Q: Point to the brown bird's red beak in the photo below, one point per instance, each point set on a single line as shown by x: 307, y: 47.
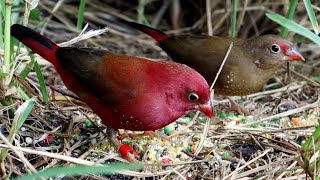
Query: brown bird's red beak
x: 206, y: 109
x: 293, y: 54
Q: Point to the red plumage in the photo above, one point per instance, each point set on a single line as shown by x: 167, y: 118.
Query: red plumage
x: 125, y: 92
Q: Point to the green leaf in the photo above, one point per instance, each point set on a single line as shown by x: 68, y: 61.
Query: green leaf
x: 4, y: 74
x: 317, y: 78
x: 312, y: 16
x: 81, y: 14
x: 35, y: 14
x: 290, y: 15
x: 78, y: 170
x: 309, y: 148
x: 234, y: 18
x: 41, y: 81
x: 291, y: 25
x: 19, y: 118
x: 23, y: 111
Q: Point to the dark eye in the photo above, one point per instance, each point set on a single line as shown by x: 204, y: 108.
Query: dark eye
x: 275, y: 48
x: 193, y: 97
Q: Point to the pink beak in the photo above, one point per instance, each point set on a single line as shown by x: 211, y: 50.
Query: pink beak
x: 293, y: 55
x: 206, y: 109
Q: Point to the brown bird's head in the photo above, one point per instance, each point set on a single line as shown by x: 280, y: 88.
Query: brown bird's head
x: 270, y: 51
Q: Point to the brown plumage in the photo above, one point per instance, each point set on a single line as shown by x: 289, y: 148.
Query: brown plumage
x: 250, y: 64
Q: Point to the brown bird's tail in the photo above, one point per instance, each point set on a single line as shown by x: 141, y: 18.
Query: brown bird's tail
x: 154, y: 33
x: 36, y: 42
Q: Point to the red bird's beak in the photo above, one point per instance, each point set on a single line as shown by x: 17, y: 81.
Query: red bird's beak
x: 206, y: 109
x: 293, y: 54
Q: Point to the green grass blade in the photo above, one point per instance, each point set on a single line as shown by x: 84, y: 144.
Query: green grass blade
x: 78, y: 170
x: 20, y: 117
x: 1, y: 24
x: 308, y: 145
x: 4, y: 74
x: 234, y: 18
x: 23, y: 111
x: 7, y: 37
x: 81, y: 14
x: 23, y: 94
x: 312, y: 16
x: 290, y: 15
x: 42, y: 83
x: 309, y: 148
x: 292, y: 26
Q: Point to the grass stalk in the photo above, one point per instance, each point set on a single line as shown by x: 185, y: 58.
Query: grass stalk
x: 81, y: 14
x: 290, y: 14
x: 234, y: 18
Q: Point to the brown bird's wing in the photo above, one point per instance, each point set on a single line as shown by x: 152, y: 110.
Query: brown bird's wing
x: 95, y: 68
x: 204, y: 53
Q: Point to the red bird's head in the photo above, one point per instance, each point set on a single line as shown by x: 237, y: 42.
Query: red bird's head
x: 187, y: 89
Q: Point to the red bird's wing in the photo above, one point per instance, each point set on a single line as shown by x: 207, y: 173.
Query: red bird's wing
x: 108, y: 77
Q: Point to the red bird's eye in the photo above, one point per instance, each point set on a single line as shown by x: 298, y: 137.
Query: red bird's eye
x: 275, y: 48
x: 193, y: 97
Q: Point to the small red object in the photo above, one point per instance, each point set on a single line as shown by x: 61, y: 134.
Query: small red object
x: 166, y: 160
x: 49, y: 139
x: 296, y: 121
x: 125, y: 149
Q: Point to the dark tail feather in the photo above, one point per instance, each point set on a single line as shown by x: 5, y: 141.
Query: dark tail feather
x: 154, y: 33
x: 35, y: 41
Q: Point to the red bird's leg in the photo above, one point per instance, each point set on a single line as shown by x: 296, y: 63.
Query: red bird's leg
x: 156, y: 135
x: 124, y: 149
x: 151, y: 134
x: 236, y: 107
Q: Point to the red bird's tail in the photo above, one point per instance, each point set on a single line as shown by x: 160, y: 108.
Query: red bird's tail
x: 36, y: 42
x: 154, y: 33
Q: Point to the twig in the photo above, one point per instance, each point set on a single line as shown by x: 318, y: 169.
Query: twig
x: 19, y: 154
x: 221, y: 66
x: 209, y: 20
x: 287, y: 113
x: 248, y: 163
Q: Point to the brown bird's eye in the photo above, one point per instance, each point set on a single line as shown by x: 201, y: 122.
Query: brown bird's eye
x: 193, y: 97
x: 275, y: 48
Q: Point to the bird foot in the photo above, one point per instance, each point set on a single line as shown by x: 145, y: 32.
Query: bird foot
x: 128, y: 153
x: 124, y: 149
x: 239, y: 109
x: 152, y: 134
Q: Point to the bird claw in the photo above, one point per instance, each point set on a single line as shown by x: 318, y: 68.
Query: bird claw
x: 128, y: 153
x: 239, y: 109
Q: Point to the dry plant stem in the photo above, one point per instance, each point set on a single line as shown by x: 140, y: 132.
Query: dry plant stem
x: 55, y: 8
x: 84, y: 162
x: 287, y: 113
x: 221, y: 66
x: 241, y: 15
x: 176, y: 10
x: 291, y: 166
x: 29, y: 166
x: 209, y: 16
x: 248, y: 163
x: 288, y: 88
x: 64, y: 92
x: 41, y: 119
x: 66, y: 22
x: 312, y: 82
x: 156, y: 20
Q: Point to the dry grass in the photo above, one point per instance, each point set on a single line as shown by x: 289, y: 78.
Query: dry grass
x: 265, y: 145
